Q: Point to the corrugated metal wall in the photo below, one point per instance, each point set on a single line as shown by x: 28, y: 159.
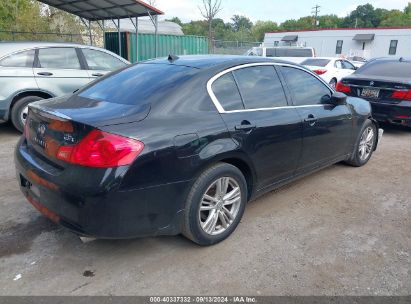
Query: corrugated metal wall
x: 167, y: 44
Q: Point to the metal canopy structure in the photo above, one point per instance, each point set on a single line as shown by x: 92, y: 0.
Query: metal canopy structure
x: 114, y: 10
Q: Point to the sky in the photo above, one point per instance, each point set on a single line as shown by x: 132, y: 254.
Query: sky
x: 273, y: 10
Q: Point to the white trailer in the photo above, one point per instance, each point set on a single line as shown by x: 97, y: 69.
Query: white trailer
x: 367, y: 43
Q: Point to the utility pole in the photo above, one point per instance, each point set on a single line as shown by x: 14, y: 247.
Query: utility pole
x: 316, y: 12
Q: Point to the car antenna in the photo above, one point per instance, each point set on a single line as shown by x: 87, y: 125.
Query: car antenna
x: 172, y: 58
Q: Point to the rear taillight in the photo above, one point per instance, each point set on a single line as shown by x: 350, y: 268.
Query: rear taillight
x: 320, y: 71
x: 404, y: 95
x: 342, y: 88
x: 101, y: 150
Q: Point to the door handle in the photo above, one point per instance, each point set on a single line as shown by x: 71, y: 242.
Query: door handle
x: 45, y: 74
x: 97, y: 74
x: 245, y: 127
x: 311, y: 120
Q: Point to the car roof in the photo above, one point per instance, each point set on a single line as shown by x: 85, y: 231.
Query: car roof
x: 213, y: 61
x: 7, y: 48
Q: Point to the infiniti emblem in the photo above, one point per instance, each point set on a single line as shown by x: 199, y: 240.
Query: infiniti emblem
x: 372, y: 83
x: 41, y: 129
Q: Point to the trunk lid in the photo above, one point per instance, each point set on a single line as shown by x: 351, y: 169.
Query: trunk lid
x: 375, y: 88
x: 65, y: 121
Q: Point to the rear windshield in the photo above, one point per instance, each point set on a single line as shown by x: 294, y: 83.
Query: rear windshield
x: 284, y: 52
x: 139, y: 84
x: 316, y: 62
x: 386, y: 68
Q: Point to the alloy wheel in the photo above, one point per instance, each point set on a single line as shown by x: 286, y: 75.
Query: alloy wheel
x: 366, y: 143
x: 220, y: 205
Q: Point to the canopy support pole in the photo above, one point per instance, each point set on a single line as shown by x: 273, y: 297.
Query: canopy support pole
x: 135, y: 23
x: 154, y: 20
x: 117, y: 25
x: 102, y: 27
x: 88, y: 26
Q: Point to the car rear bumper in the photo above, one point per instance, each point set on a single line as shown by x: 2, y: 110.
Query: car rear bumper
x: 394, y: 113
x: 113, y: 214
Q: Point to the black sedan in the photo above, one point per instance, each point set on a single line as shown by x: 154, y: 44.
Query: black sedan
x: 180, y: 145
x: 386, y: 84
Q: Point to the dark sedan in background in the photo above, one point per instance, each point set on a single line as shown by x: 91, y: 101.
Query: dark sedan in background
x: 386, y: 84
x: 181, y: 145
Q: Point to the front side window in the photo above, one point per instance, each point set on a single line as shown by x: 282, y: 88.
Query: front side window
x: 226, y: 91
x: 306, y: 89
x: 260, y: 87
x: 58, y: 58
x: 393, y: 47
x: 19, y: 60
x: 98, y: 60
x: 338, y: 49
x: 348, y: 65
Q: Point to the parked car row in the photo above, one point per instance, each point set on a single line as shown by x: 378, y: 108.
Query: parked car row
x: 113, y: 159
x: 33, y: 71
x: 180, y: 145
x: 386, y: 84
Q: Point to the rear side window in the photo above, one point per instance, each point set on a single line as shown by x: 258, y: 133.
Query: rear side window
x: 316, y: 62
x: 19, y: 60
x: 59, y: 58
x: 394, y: 68
x: 139, y: 84
x: 260, y: 87
x: 97, y: 60
x: 226, y: 91
x: 306, y: 89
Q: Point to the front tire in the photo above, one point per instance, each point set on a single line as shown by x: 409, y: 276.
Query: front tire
x: 215, y: 204
x: 365, y: 145
x: 19, y: 111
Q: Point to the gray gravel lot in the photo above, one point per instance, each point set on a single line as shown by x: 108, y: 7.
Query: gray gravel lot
x: 341, y: 231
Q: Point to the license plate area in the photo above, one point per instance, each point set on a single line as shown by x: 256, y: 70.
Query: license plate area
x: 29, y: 186
x: 370, y: 93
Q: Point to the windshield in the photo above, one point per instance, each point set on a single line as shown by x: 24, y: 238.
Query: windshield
x: 141, y: 83
x: 316, y: 62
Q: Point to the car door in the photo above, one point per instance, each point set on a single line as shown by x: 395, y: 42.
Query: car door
x: 327, y: 128
x: 58, y: 70
x: 100, y: 63
x: 16, y: 74
x: 253, y: 104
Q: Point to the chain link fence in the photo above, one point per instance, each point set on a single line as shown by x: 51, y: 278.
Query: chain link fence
x: 232, y: 47
x: 51, y: 37
x: 223, y: 47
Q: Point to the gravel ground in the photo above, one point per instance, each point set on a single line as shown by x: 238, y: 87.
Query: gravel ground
x: 341, y: 231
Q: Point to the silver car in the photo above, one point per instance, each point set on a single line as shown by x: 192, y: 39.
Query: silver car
x: 30, y: 71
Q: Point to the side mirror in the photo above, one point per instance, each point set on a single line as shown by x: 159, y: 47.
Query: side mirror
x: 338, y: 99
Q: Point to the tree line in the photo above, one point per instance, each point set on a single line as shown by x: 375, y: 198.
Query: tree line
x: 241, y: 28
x: 31, y: 16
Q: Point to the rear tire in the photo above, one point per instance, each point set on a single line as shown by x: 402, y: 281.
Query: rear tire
x: 212, y: 215
x: 19, y: 111
x: 365, y: 145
